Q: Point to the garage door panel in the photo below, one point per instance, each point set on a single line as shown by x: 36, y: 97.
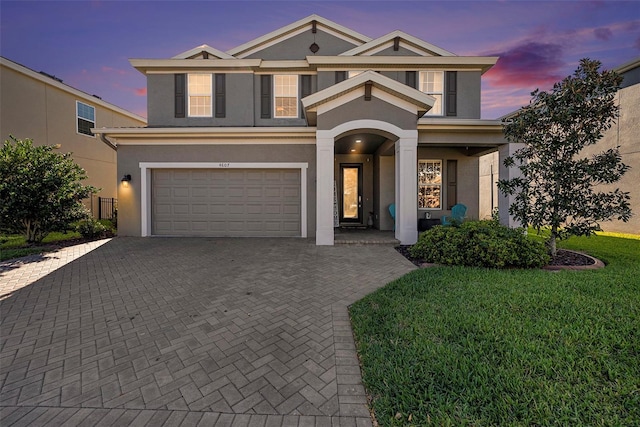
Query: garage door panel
x: 226, y: 202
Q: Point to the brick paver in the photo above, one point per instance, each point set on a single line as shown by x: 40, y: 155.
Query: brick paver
x: 151, y: 331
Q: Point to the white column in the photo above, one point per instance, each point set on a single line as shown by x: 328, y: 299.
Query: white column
x: 324, y: 188
x: 504, y: 172
x: 407, y: 188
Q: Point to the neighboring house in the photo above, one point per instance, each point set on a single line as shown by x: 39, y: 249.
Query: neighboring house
x: 625, y: 134
x: 272, y: 137
x: 41, y: 107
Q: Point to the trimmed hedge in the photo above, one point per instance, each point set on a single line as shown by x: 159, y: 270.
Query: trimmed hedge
x: 484, y: 243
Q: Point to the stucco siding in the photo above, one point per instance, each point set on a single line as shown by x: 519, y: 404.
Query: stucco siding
x: 161, y: 102
x: 31, y: 108
x: 297, y: 47
x: 467, y: 180
x: 130, y: 156
x: 468, y: 96
x: 402, y: 51
x: 626, y: 135
x: 375, y: 109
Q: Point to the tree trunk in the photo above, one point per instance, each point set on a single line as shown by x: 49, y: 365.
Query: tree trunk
x: 552, y: 241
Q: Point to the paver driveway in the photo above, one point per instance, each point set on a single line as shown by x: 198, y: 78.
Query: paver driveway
x: 190, y: 332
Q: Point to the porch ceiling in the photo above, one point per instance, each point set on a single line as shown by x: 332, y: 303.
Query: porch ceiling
x: 368, y: 144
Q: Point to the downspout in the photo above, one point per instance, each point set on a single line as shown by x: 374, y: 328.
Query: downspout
x: 109, y: 143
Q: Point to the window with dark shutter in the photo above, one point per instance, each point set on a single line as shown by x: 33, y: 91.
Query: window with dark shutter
x: 452, y: 183
x: 221, y: 90
x: 265, y: 97
x: 341, y: 76
x: 451, y: 89
x: 411, y: 79
x: 305, y: 90
x: 180, y: 95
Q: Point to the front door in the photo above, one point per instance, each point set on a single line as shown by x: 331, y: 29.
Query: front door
x: 351, y: 185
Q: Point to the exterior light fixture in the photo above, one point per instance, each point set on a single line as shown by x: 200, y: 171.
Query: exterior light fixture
x: 358, y: 141
x: 353, y: 150
x: 125, y: 180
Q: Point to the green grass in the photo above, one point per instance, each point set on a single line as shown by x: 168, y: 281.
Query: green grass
x: 15, y: 246
x: 467, y: 346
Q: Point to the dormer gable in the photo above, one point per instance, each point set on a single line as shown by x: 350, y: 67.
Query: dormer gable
x: 203, y: 52
x: 325, y: 34
x: 397, y: 43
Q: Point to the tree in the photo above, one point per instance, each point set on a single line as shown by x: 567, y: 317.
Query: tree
x: 557, y: 186
x: 40, y: 189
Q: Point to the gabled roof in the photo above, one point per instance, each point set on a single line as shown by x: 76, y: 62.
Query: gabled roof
x: 197, y: 51
x: 295, y: 28
x: 406, y: 40
x: 421, y: 101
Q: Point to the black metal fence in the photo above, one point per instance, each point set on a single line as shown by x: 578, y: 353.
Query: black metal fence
x: 107, y: 207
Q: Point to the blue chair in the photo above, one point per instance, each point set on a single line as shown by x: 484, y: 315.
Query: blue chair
x: 392, y: 211
x: 458, y: 213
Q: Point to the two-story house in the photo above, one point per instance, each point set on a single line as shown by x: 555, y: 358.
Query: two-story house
x: 307, y: 127
x: 42, y: 107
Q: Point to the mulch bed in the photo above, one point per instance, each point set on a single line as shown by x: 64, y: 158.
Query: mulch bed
x: 563, y: 258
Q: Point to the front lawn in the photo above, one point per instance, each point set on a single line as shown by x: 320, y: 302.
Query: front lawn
x: 471, y: 346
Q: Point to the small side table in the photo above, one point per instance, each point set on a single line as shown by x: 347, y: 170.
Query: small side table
x: 425, y: 224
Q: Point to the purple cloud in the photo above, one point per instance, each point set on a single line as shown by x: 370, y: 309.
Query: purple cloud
x: 637, y: 43
x: 529, y: 64
x: 603, y: 33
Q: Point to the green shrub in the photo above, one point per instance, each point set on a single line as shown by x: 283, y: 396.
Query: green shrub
x: 90, y: 228
x: 480, y: 244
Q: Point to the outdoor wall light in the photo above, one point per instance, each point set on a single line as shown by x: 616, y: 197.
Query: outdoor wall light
x: 126, y: 179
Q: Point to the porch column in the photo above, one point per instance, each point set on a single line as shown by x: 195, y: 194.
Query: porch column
x: 504, y: 172
x: 324, y: 188
x: 407, y: 188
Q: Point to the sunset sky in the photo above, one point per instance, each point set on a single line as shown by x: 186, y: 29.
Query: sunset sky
x: 88, y: 43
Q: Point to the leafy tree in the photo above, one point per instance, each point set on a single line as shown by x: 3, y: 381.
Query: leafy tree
x: 556, y: 188
x: 40, y: 189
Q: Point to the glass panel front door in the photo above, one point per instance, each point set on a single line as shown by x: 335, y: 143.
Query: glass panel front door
x: 351, y: 193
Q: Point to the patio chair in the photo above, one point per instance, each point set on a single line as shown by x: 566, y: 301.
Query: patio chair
x: 392, y: 211
x: 458, y: 213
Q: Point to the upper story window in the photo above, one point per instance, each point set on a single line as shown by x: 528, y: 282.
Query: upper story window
x: 432, y: 83
x: 85, y: 118
x: 430, y: 184
x: 199, y: 90
x: 285, y: 89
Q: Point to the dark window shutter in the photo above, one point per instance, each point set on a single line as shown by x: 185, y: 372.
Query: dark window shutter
x: 341, y: 76
x: 452, y: 183
x: 265, y: 96
x: 411, y: 79
x: 221, y: 90
x: 451, y: 83
x: 180, y: 94
x: 305, y: 90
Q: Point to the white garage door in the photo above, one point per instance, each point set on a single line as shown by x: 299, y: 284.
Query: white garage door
x: 226, y: 202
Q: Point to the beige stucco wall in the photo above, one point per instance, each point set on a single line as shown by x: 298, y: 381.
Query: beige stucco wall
x: 626, y: 135
x: 31, y: 108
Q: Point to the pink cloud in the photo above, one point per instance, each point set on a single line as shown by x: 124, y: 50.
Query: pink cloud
x: 527, y: 64
x: 140, y: 91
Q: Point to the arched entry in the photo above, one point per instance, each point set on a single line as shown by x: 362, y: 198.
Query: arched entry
x: 404, y: 149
